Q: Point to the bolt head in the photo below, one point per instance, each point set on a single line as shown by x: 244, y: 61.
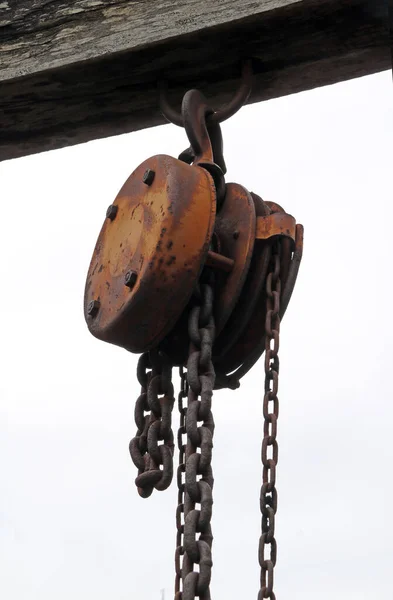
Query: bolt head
x: 112, y: 212
x: 93, y: 308
x: 130, y: 279
x: 148, y: 176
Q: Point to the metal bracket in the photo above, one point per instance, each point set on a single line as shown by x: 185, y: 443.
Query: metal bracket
x: 278, y: 223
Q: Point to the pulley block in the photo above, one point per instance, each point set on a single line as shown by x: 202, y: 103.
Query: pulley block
x: 172, y: 221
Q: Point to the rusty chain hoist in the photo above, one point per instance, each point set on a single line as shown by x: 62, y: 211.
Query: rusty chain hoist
x: 194, y: 272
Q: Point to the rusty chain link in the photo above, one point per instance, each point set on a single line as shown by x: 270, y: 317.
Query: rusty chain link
x: 155, y: 376
x: 195, y: 467
x: 269, y: 454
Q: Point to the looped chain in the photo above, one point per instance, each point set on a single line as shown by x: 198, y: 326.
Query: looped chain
x: 269, y: 453
x: 195, y: 476
x: 153, y: 418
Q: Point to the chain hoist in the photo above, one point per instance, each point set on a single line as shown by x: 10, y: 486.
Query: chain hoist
x: 196, y: 273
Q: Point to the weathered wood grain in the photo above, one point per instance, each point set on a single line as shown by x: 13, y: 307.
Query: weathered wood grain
x: 76, y: 70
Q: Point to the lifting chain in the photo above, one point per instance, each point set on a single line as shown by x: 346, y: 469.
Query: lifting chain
x: 268, y: 496
x: 196, y: 457
x: 194, y: 272
x: 191, y: 464
x: 181, y: 473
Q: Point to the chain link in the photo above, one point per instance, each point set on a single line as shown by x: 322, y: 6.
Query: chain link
x: 195, y: 476
x: 269, y: 454
x: 153, y: 418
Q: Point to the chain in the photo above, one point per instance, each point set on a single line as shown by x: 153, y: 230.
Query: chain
x: 155, y: 426
x: 195, y: 476
x: 268, y: 496
x: 181, y: 470
x: 193, y: 558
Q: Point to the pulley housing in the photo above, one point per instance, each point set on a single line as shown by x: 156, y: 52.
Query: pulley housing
x: 173, y: 221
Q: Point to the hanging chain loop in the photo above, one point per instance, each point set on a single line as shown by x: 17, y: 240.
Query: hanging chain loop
x: 153, y: 418
x: 269, y: 454
x: 195, y: 476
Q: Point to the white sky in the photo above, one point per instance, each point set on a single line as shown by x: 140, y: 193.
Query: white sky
x: 71, y: 522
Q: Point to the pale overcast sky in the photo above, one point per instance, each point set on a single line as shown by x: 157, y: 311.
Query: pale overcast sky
x: 71, y: 522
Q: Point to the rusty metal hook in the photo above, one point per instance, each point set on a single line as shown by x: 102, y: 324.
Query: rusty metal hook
x: 214, y: 132
x: 194, y: 114
x: 219, y: 115
x: 205, y: 140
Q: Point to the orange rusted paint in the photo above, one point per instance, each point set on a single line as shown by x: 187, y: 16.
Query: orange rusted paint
x: 244, y: 335
x: 162, y: 233
x: 251, y: 288
x: 235, y: 235
x: 274, y: 224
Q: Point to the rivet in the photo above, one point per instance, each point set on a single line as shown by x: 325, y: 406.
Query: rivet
x: 130, y: 279
x: 93, y: 308
x: 148, y: 176
x: 111, y: 212
x: 236, y: 235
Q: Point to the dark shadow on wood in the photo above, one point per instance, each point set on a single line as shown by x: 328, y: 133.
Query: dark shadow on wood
x: 296, y: 47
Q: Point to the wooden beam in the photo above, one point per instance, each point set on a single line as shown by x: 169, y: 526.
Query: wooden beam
x: 76, y: 70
